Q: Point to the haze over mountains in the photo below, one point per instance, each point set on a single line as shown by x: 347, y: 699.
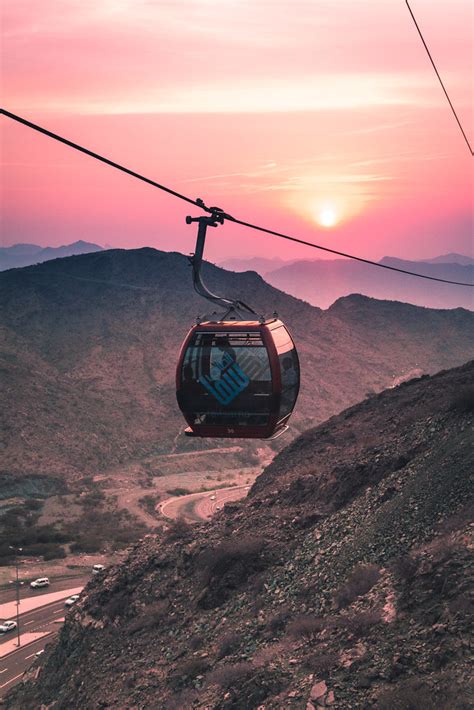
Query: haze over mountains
x: 91, y: 341
x: 323, y: 281
x: 19, y: 255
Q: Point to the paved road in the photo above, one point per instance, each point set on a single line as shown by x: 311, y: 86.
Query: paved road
x: 15, y: 664
x: 201, y: 506
x: 9, y: 594
x: 46, y: 620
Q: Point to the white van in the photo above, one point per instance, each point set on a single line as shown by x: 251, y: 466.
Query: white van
x: 40, y: 583
x: 97, y: 569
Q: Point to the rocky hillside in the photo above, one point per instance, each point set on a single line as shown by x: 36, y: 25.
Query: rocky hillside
x: 341, y: 582
x: 89, y: 346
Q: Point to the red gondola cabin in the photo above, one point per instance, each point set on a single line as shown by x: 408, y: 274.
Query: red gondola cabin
x: 237, y: 379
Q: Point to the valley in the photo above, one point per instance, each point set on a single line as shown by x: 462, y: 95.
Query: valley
x: 91, y: 342
x: 341, y: 577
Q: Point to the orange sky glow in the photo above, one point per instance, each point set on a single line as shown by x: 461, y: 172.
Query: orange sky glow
x: 323, y: 119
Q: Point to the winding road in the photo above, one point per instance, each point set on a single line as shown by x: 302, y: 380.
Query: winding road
x: 198, y: 507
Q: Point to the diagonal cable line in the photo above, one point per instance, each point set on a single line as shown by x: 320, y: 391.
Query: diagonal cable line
x: 439, y: 77
x: 349, y: 256
x: 101, y: 158
x: 215, y: 210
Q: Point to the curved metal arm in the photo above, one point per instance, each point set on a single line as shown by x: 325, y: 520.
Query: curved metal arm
x: 200, y: 287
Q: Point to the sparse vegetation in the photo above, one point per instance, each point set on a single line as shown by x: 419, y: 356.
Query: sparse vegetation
x: 320, y: 662
x: 178, y: 530
x: 178, y: 491
x: 462, y: 606
x: 229, y: 566
x: 414, y: 694
x: 277, y: 623
x: 404, y: 567
x: 149, y: 503
x: 361, y: 581
x: 228, y: 645
x: 231, y: 675
x: 245, y: 552
x: 98, y: 528
x: 150, y: 617
x: 187, y: 672
x: 305, y: 627
x: 361, y: 623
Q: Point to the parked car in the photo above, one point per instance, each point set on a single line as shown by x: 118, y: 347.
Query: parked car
x: 97, y: 569
x: 7, y: 626
x: 40, y: 583
x: 213, y: 497
x: 72, y: 600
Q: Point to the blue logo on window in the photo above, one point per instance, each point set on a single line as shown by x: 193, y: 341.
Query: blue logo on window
x: 231, y: 383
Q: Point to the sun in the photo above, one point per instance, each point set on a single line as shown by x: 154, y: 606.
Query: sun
x: 327, y: 217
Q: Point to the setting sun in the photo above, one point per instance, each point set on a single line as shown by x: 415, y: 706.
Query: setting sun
x: 327, y: 217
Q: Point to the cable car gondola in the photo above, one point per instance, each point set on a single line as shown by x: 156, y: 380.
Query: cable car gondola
x: 237, y: 373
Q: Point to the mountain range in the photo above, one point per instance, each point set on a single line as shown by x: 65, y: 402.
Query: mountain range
x: 323, y: 281
x: 341, y: 582
x: 19, y: 255
x: 90, y: 345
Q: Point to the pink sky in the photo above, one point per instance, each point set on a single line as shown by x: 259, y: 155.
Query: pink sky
x: 281, y: 113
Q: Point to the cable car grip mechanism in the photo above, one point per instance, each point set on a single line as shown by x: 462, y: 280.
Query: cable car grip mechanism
x: 215, y: 217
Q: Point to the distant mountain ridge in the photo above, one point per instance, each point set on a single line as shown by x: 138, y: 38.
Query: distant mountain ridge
x: 451, y: 258
x: 321, y: 282
x: 20, y: 255
x: 261, y: 265
x: 90, y: 346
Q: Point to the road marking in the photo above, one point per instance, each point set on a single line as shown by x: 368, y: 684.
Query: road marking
x: 41, y: 637
x: 11, y: 681
x: 4, y: 671
x: 28, y: 622
x: 27, y: 657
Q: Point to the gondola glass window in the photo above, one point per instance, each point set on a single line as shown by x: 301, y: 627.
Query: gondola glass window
x: 227, y: 377
x: 289, y: 368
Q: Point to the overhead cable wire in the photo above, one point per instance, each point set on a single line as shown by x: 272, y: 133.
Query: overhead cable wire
x: 439, y: 77
x: 349, y: 256
x: 107, y: 161
x: 199, y: 203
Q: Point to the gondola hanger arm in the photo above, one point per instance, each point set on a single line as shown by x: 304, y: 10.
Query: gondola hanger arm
x: 215, y: 218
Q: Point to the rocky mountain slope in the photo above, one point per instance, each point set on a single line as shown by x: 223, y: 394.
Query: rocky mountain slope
x: 341, y: 582
x: 89, y: 346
